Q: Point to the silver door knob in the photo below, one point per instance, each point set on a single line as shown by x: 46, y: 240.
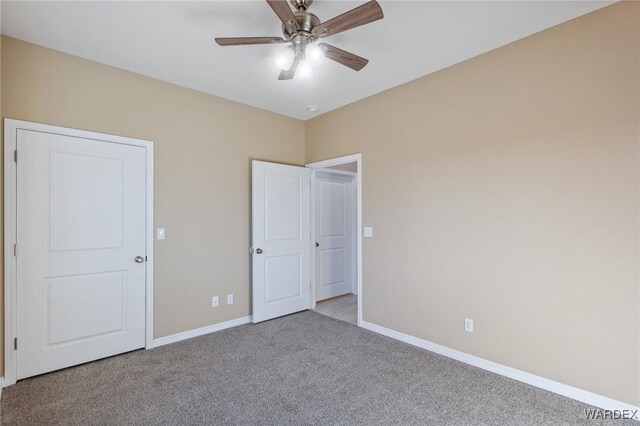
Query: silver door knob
x: 139, y: 259
x: 258, y: 251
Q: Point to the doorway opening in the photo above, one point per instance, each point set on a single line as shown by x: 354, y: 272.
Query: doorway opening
x: 336, y: 221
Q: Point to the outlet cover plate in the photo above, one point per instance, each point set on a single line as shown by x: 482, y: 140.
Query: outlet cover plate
x: 468, y: 325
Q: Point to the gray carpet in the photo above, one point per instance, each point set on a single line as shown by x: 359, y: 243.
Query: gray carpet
x: 302, y: 369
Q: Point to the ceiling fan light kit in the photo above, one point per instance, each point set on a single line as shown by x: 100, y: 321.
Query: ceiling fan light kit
x: 302, y: 29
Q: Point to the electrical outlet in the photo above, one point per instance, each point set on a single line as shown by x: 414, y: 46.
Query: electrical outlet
x: 229, y: 299
x: 215, y: 302
x: 468, y: 325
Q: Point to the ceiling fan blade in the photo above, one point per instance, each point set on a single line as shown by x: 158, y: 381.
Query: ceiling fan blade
x: 241, y: 41
x: 361, y: 15
x: 284, y: 12
x: 291, y: 72
x: 343, y: 57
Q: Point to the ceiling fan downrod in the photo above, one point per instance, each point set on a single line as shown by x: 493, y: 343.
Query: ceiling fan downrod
x: 301, y: 5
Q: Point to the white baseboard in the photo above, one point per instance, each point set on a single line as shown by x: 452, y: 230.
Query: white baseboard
x: 161, y: 341
x: 581, y: 395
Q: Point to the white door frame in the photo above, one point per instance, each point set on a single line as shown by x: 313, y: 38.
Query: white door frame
x: 11, y: 128
x: 354, y: 158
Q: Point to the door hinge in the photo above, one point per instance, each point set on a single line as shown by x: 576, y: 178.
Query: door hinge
x: 15, y: 343
x: 15, y: 156
x: 15, y: 250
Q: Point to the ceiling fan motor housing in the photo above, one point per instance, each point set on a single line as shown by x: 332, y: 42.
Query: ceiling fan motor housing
x: 302, y: 36
x: 306, y: 22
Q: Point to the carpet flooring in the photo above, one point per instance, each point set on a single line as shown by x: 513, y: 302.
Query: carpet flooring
x: 301, y: 369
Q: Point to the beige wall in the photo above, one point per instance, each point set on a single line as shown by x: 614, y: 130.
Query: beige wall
x: 203, y: 148
x: 505, y: 189
x: 348, y: 167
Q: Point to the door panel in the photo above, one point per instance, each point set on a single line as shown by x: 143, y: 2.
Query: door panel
x: 333, y: 206
x: 334, y: 266
x: 283, y: 204
x: 334, y: 234
x: 81, y: 222
x: 74, y: 210
x: 85, y: 306
x: 280, y: 239
x: 282, y: 278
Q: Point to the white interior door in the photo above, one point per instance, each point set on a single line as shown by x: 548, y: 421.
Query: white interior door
x: 335, y: 237
x: 281, y: 240
x: 80, y: 227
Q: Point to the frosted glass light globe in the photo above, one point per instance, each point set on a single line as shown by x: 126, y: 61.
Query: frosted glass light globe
x: 314, y: 53
x: 284, y: 58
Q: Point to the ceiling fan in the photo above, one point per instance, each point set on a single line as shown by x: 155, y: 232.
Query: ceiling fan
x: 302, y: 29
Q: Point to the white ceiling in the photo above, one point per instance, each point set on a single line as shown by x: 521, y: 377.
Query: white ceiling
x: 173, y: 41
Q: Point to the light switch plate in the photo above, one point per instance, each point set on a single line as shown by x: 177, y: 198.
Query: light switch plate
x: 160, y: 234
x: 368, y: 232
x: 215, y: 302
x: 229, y: 299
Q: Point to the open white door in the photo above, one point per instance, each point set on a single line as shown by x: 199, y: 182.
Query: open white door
x: 281, y: 214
